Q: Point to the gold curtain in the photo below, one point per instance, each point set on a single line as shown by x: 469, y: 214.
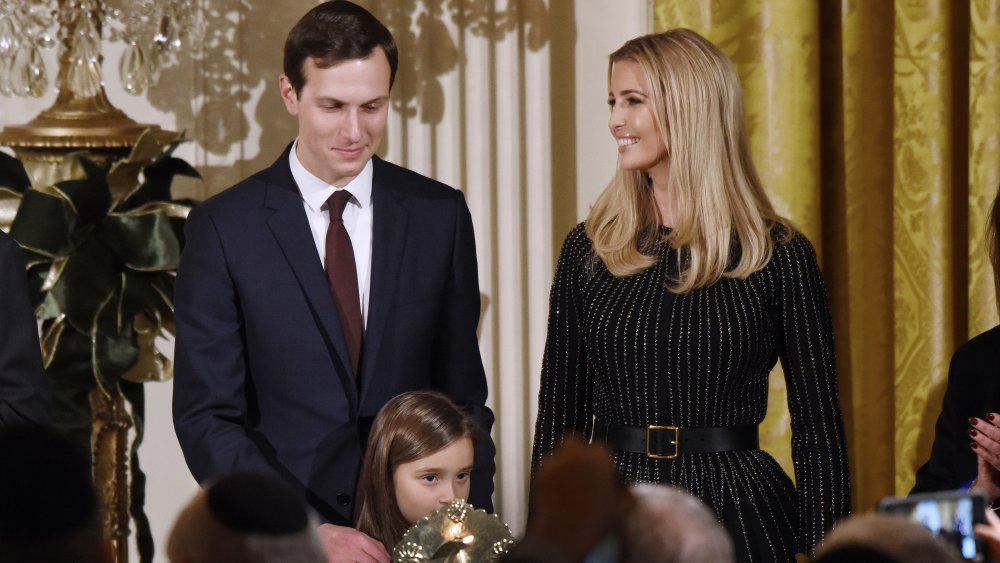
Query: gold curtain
x: 876, y: 128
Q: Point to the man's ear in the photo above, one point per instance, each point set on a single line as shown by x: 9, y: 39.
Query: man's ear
x: 288, y: 95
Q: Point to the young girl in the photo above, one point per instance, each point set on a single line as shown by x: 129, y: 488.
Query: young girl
x: 419, y: 457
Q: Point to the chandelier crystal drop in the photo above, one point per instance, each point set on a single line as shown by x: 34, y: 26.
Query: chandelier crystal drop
x: 153, y: 32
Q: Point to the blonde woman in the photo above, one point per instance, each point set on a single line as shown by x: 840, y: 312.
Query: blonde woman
x: 674, y: 300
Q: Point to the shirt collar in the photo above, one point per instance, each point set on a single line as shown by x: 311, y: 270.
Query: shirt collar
x: 315, y: 191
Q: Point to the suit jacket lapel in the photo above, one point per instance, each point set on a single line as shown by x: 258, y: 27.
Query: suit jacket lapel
x: 388, y: 240
x: 290, y: 228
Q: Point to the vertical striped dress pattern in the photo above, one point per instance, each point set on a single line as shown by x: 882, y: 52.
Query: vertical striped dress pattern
x: 627, y: 350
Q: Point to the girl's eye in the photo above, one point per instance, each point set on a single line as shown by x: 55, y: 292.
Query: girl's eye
x: 429, y: 478
x: 463, y: 476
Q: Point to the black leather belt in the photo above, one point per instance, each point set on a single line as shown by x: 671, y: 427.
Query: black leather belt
x: 667, y: 442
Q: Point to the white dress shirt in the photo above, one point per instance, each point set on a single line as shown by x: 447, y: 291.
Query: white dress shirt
x: 357, y: 219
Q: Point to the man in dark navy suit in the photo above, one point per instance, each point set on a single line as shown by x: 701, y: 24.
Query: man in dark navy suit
x: 316, y: 290
x: 25, y: 392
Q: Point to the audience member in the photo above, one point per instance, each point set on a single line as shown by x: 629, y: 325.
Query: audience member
x: 25, y: 395
x: 577, y: 500
x: 48, y: 507
x: 966, y: 442
x: 880, y: 538
x: 668, y: 525
x: 245, y: 518
x: 677, y: 296
x: 419, y: 457
x: 312, y: 292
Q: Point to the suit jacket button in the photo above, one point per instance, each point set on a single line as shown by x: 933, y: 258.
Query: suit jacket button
x: 343, y: 499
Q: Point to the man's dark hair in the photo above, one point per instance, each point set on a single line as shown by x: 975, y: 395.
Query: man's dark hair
x: 334, y: 32
x: 48, y: 507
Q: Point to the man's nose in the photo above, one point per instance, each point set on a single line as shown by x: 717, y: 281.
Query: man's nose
x: 352, y: 128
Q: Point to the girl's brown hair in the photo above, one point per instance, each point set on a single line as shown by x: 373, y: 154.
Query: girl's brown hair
x: 409, y: 427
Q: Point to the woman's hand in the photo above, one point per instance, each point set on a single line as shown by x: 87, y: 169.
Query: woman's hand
x: 986, y: 444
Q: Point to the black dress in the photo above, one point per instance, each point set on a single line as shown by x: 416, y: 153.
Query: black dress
x: 627, y: 350
x: 973, y: 390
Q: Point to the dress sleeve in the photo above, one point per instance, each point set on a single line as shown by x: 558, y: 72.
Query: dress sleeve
x: 564, y: 403
x: 819, y: 450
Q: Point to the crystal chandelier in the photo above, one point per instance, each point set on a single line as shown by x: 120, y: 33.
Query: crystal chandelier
x: 153, y: 32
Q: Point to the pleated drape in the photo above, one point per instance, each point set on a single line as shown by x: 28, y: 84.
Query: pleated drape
x: 876, y: 129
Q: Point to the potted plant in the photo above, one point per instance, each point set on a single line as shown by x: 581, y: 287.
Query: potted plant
x: 102, y: 246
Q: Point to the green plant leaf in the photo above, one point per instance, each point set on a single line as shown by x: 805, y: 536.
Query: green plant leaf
x: 13, y: 176
x: 36, y: 274
x: 144, y: 242
x: 86, y: 283
x: 162, y: 308
x: 71, y: 414
x: 159, y: 175
x: 46, y: 224
x: 70, y: 362
x: 123, y: 176
x: 115, y: 346
x: 134, y: 393
x: 90, y: 197
x: 139, y: 295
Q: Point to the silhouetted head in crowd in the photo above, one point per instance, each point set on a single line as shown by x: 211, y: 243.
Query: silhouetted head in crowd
x: 668, y: 525
x: 883, y: 538
x: 245, y: 518
x: 48, y: 507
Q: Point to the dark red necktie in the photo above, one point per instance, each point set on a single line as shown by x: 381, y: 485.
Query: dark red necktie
x: 342, y: 272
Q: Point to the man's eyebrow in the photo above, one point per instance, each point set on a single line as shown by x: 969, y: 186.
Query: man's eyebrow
x: 332, y: 100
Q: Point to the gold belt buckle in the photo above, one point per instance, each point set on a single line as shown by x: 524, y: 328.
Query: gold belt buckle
x: 674, y: 429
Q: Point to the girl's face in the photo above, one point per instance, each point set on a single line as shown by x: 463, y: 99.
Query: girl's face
x: 640, y: 145
x: 423, y: 485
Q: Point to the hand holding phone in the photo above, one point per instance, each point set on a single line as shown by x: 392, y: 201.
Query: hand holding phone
x: 990, y: 533
x: 950, y: 515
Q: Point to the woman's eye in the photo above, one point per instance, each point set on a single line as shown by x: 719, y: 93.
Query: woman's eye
x: 611, y: 102
x: 634, y: 101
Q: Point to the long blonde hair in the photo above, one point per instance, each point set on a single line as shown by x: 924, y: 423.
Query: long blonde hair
x: 720, y: 211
